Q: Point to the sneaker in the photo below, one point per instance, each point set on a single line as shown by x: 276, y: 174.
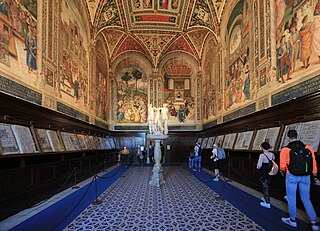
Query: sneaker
x: 314, y: 226
x: 216, y: 179
x: 263, y: 199
x: 266, y: 205
x: 289, y: 221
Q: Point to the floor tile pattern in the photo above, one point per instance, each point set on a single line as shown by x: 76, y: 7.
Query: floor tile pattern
x: 182, y: 203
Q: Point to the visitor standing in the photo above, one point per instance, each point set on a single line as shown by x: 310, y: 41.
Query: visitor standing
x: 191, y: 157
x: 297, y: 163
x: 263, y: 166
x: 124, y: 156
x: 197, y: 157
x: 215, y: 159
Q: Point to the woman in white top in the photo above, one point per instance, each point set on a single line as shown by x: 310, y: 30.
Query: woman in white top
x: 214, y: 157
x: 263, y: 166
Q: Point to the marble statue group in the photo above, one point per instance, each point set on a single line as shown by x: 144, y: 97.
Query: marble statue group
x: 158, y: 119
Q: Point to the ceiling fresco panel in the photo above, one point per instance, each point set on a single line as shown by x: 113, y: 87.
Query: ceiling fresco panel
x: 92, y: 7
x: 112, y: 38
x: 156, y: 14
x: 109, y: 15
x: 155, y: 43
x: 201, y: 15
x: 198, y: 37
x: 219, y: 6
x: 129, y: 44
x: 180, y: 44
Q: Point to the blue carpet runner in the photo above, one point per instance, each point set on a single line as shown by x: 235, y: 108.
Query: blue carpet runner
x: 187, y: 201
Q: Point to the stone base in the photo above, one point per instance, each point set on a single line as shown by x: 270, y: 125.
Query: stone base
x: 157, y: 177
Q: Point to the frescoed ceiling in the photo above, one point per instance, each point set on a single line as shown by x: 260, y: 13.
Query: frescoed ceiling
x: 155, y: 27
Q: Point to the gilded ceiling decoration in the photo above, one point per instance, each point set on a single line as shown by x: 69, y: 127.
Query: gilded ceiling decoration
x: 180, y: 44
x: 112, y: 38
x: 129, y: 44
x: 155, y: 43
x: 177, y: 68
x: 155, y: 27
x: 197, y: 38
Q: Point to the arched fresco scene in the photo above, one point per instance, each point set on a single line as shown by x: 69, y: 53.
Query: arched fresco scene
x: 73, y: 85
x: 238, y: 84
x: 206, y: 61
x: 132, y: 95
x: 178, y: 90
x: 101, y: 81
x: 18, y: 40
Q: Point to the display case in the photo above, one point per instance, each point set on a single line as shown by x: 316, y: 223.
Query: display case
x: 308, y: 133
x: 219, y: 139
x: 199, y: 140
x: 210, y: 142
x: 84, y: 141
x: 8, y: 143
x: 229, y: 140
x: 112, y: 143
x: 44, y: 140
x: 94, y: 142
x: 70, y: 141
x: 243, y: 140
x: 55, y: 141
x: 269, y: 135
x: 24, y: 138
x: 204, y: 142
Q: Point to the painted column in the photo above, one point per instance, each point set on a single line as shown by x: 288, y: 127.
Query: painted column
x: 198, y: 95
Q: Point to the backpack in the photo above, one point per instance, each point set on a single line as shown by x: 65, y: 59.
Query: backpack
x: 191, y: 154
x: 200, y: 151
x: 272, y: 167
x: 300, y: 159
x: 221, y: 154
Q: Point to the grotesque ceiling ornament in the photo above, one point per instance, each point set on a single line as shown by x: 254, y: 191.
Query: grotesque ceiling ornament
x: 154, y: 27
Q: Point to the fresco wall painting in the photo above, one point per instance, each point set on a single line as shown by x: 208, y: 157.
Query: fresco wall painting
x: 178, y: 91
x: 18, y: 39
x: 238, y: 83
x: 101, y: 81
x: 132, y: 97
x: 233, y: 76
x: 73, y: 57
x: 298, y: 39
x: 210, y: 81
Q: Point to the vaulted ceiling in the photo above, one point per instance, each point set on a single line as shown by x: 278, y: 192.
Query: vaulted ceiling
x: 155, y: 28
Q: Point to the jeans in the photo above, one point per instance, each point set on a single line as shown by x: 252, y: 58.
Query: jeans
x: 292, y: 182
x: 197, y: 160
x: 191, y: 163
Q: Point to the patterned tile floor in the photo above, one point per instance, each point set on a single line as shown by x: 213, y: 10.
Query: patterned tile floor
x: 182, y: 203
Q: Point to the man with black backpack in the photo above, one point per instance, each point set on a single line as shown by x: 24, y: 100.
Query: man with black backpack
x: 297, y: 162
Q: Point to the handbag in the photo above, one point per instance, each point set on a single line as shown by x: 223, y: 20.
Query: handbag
x: 274, y: 168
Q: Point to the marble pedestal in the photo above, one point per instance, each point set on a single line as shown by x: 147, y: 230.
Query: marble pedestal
x: 157, y: 177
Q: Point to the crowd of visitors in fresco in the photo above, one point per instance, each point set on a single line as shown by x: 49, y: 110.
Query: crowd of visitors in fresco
x: 132, y: 109
x: 298, y: 37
